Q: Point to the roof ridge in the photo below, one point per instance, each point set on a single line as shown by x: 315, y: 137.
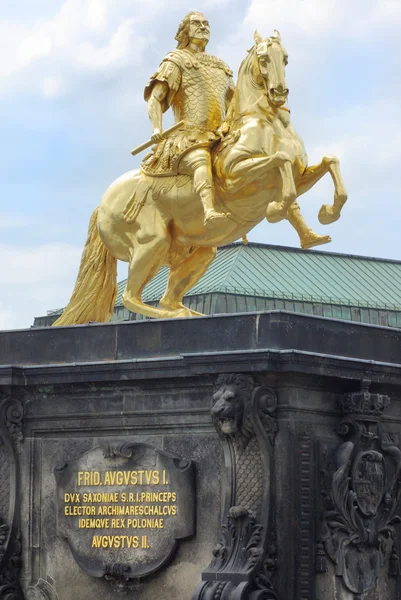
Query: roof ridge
x: 234, y: 262
x: 316, y: 252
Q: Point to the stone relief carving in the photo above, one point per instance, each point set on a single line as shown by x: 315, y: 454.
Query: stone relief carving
x: 42, y: 590
x: 174, y: 476
x: 361, y: 491
x: 245, y: 558
x: 11, y: 413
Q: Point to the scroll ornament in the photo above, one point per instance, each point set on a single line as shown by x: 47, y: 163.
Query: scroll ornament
x: 244, y: 560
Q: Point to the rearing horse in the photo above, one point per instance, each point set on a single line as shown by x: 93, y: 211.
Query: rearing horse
x: 260, y: 169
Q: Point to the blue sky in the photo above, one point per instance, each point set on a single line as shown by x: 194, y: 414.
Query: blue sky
x: 72, y: 74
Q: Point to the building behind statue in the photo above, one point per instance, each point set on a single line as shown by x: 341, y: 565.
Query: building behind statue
x: 259, y: 277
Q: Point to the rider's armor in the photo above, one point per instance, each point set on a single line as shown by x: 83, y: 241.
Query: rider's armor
x: 200, y: 88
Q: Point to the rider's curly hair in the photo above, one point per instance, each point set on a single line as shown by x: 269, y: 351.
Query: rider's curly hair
x: 183, y: 29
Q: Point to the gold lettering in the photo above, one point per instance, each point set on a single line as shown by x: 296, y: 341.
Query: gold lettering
x: 110, y: 478
x: 94, y: 524
x: 76, y: 511
x: 72, y: 498
x: 115, y: 541
x: 88, y: 478
x: 118, y: 523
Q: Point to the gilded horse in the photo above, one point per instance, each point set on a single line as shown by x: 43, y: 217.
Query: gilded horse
x: 260, y: 170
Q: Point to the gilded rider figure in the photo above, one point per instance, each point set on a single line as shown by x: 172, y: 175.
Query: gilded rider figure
x: 199, y: 88
x: 146, y: 216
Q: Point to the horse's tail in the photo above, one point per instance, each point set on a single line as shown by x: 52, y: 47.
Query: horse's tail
x: 96, y: 287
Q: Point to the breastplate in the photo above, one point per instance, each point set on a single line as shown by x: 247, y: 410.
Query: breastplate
x: 201, y: 99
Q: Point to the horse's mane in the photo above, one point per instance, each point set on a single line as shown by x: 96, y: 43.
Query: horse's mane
x: 249, y: 67
x: 248, y: 76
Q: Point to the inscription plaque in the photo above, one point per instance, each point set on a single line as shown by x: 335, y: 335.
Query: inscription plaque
x: 123, y: 507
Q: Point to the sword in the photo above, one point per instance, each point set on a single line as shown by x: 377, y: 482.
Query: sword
x: 166, y: 133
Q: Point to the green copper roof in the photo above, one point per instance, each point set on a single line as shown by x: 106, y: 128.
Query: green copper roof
x: 280, y: 272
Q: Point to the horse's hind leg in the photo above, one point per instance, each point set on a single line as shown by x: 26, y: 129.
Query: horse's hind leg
x: 144, y: 265
x: 184, y: 274
x: 148, y: 255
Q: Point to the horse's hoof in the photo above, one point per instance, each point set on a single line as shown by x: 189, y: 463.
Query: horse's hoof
x: 327, y: 215
x: 182, y: 313
x: 179, y: 310
x: 275, y: 212
x: 312, y: 239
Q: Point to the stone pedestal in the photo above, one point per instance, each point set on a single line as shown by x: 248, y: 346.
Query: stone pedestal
x: 295, y: 485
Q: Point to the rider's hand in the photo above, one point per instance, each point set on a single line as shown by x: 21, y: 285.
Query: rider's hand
x: 223, y: 129
x: 157, y: 136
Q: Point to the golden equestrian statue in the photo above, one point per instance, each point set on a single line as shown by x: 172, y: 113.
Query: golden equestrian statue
x: 232, y: 159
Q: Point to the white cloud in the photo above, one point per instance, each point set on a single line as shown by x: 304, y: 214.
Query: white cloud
x: 51, y: 86
x: 97, y: 15
x: 114, y: 53
x: 33, y: 48
x: 83, y: 35
x: 35, y: 279
x: 38, y: 263
x: 320, y: 18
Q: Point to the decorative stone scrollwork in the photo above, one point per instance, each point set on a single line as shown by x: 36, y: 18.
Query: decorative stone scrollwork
x: 11, y: 413
x: 362, y: 492
x: 42, y: 590
x: 245, y: 559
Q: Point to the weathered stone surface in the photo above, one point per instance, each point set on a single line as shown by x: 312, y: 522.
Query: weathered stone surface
x: 123, y: 506
x: 65, y: 392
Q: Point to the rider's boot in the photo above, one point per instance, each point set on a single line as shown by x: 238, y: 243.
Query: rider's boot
x: 307, y: 237
x: 206, y: 193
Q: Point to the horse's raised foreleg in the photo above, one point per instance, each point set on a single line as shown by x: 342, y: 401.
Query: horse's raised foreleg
x: 242, y: 172
x: 184, y: 274
x: 329, y: 164
x: 277, y: 211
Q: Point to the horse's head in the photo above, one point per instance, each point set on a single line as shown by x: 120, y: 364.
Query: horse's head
x: 269, y: 60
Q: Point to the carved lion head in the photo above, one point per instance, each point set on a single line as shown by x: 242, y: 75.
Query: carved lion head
x: 231, y: 402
